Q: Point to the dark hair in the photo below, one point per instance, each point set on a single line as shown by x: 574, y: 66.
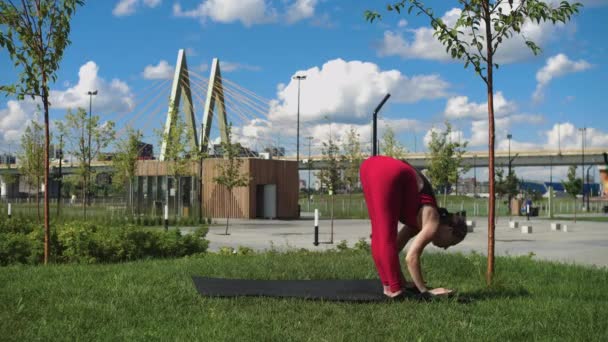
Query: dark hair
x: 455, y: 220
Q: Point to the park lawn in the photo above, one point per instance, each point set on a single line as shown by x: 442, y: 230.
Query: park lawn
x: 156, y: 300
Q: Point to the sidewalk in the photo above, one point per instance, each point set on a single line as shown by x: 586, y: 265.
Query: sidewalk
x: 584, y: 243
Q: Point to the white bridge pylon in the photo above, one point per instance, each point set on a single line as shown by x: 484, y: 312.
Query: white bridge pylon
x: 213, y: 102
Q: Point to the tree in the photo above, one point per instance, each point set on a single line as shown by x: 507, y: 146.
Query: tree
x: 445, y: 164
x: 487, y: 24
x: 391, y: 146
x: 35, y: 34
x: 573, y: 185
x: 330, y: 175
x: 125, y: 161
x: 32, y: 159
x: 178, y: 153
x: 230, y: 174
x: 506, y: 186
x: 76, y: 130
x: 352, y: 158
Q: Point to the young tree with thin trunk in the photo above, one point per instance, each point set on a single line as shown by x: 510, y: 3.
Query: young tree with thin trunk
x: 445, y: 165
x: 506, y: 185
x: 391, y: 147
x: 474, y: 38
x: 76, y: 130
x: 573, y: 185
x: 230, y: 174
x: 352, y: 159
x: 125, y: 161
x: 32, y: 158
x: 178, y: 153
x: 35, y: 33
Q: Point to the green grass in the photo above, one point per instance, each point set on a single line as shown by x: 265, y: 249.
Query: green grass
x: 156, y: 300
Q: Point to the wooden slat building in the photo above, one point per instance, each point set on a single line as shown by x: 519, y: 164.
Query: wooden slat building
x: 273, y: 183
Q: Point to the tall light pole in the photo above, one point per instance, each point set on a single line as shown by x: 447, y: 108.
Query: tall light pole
x: 375, y: 125
x: 299, y: 78
x: 509, y: 136
x: 90, y: 93
x: 583, y: 131
x: 309, y: 167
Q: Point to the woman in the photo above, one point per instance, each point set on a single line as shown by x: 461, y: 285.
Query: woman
x: 396, y: 192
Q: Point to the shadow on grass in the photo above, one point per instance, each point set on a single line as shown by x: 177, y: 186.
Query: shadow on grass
x: 491, y: 293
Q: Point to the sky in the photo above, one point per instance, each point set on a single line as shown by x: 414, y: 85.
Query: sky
x: 127, y: 50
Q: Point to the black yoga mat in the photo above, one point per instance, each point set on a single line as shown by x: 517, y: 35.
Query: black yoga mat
x: 330, y: 290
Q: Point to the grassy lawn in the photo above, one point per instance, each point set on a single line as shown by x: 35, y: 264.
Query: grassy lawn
x: 156, y: 300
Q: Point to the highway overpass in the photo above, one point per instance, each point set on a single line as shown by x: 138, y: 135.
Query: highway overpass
x: 419, y: 160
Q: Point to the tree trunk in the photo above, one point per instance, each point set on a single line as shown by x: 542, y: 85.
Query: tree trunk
x: 47, y: 229
x: 491, y: 190
x: 84, y: 191
x: 38, y: 197
x: 228, y: 211
x: 574, y: 209
x: 131, y: 196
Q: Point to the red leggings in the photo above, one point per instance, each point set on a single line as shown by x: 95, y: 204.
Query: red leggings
x: 387, y: 184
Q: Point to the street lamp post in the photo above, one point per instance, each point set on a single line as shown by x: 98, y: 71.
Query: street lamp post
x: 583, y: 131
x: 509, y: 136
x: 86, y: 193
x: 299, y: 78
x: 309, y: 167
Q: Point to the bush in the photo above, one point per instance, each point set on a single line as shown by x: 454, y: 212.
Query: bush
x: 362, y: 245
x: 82, y: 242
x: 342, y: 246
x: 14, y: 248
x: 243, y: 250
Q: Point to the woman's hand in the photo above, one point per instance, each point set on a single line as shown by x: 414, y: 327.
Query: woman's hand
x: 440, y: 291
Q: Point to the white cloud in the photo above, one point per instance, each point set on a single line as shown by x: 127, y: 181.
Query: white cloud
x: 13, y: 120
x: 455, y: 135
x: 421, y: 43
x: 253, y: 12
x: 248, y: 12
x: 556, y: 66
x: 300, y: 9
x: 459, y: 107
x: 567, y: 136
x: 160, y: 71
x: 232, y: 66
x: 113, y: 96
x: 402, y: 23
x: 129, y: 7
x: 125, y: 7
x: 349, y: 91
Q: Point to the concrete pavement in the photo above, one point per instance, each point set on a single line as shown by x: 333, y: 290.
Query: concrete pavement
x: 585, y: 242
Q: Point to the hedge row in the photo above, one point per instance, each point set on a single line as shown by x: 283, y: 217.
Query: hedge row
x: 22, y: 241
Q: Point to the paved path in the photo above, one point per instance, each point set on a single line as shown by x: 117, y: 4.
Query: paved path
x: 584, y: 243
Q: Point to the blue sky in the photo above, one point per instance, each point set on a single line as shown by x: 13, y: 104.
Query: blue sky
x: 127, y: 49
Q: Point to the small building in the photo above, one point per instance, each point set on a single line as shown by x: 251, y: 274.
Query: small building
x: 272, y: 192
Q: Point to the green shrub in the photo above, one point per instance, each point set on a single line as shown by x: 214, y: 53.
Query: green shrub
x: 362, y: 245
x: 226, y: 251
x: 243, y: 250
x: 83, y: 242
x: 14, y: 248
x: 342, y: 246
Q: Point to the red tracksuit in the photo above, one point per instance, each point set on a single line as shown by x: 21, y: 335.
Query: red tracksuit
x: 391, y: 194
